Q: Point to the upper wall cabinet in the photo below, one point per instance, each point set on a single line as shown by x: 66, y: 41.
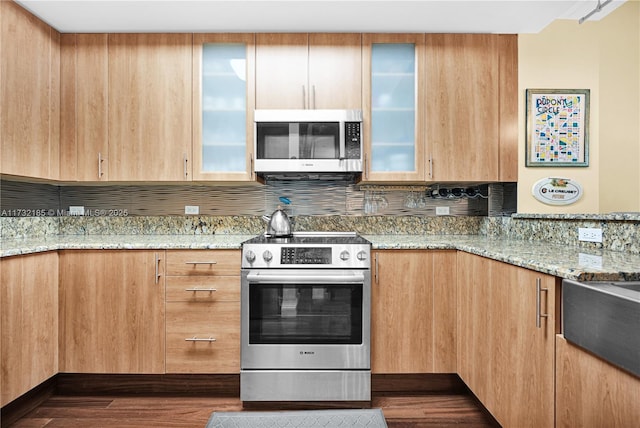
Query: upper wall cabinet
x: 470, y: 110
x: 84, y: 97
x: 308, y: 71
x: 393, y: 102
x: 150, y: 107
x: 126, y: 107
x: 223, y: 104
x: 29, y: 94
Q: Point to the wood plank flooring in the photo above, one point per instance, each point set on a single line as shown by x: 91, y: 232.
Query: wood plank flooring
x: 127, y: 411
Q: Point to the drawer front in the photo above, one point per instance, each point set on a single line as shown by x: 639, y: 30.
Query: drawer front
x: 203, y: 262
x: 203, y: 322
x: 203, y: 289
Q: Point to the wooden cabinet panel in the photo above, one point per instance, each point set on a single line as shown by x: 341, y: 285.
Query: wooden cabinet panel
x: 592, y: 393
x: 462, y: 111
x: 404, y: 315
x: 335, y: 71
x: 28, y: 323
x: 112, y: 312
x: 203, y: 337
x: 203, y: 262
x: 523, y: 352
x: 474, y: 333
x: 30, y: 101
x: 281, y: 71
x: 150, y: 107
x: 508, y: 72
x: 503, y: 356
x: 445, y: 310
x: 308, y: 71
x: 203, y: 289
x: 84, y: 140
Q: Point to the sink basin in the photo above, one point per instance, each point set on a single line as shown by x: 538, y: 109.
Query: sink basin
x: 603, y: 317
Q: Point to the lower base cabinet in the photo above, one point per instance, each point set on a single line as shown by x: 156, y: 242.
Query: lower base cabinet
x: 592, y: 393
x: 506, y: 333
x: 203, y: 311
x: 112, y: 311
x: 28, y: 322
x: 413, y: 312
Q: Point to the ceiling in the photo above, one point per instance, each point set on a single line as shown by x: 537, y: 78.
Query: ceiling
x: 423, y: 16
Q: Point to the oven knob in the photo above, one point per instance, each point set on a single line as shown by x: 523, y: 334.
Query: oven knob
x: 250, y: 256
x: 344, y: 256
x: 362, y: 256
x: 267, y: 256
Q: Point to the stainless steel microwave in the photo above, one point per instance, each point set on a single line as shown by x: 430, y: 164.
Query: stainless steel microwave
x: 308, y: 141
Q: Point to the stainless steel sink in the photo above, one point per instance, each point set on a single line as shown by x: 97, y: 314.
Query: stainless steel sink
x: 603, y: 317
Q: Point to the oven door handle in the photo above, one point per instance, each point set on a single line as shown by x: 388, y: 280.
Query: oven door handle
x: 298, y: 278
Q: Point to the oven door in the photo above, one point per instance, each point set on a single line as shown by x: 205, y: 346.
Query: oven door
x: 305, y: 319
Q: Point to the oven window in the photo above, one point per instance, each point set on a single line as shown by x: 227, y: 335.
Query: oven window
x: 305, y: 314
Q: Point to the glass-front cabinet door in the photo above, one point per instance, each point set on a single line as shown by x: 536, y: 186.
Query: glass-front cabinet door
x: 224, y: 99
x: 394, y: 92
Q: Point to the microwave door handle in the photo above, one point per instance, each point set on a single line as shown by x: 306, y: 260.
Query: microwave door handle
x: 298, y: 278
x: 343, y: 149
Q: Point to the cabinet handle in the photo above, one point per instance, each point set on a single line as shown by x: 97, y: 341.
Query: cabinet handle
x: 539, y: 313
x: 201, y: 263
x: 366, y: 170
x: 251, y: 172
x: 304, y: 97
x: 313, y: 93
x: 197, y: 339
x: 100, y: 160
x: 375, y: 274
x: 430, y: 167
x: 184, y: 162
x: 201, y: 289
x: 157, y: 276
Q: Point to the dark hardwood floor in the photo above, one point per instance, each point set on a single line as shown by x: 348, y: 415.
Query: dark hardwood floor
x: 427, y: 410
x: 157, y: 402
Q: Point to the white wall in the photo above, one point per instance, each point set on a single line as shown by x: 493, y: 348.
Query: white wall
x: 603, y: 56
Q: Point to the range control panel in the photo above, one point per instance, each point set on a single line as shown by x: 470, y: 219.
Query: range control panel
x: 299, y: 256
x: 305, y: 256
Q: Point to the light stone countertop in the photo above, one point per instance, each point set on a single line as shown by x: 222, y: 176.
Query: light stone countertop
x: 558, y: 260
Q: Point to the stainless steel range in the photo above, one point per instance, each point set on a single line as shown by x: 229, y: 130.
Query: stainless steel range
x: 306, y: 315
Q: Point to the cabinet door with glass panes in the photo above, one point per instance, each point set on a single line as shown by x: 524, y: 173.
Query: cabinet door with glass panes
x: 223, y: 104
x: 393, y: 95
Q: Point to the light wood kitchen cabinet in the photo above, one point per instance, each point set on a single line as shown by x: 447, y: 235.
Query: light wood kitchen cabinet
x: 112, y: 311
x: 413, y: 310
x: 28, y: 321
x: 471, y: 107
x: 150, y: 105
x: 592, y: 393
x: 223, y: 105
x: 308, y: 71
x: 203, y: 311
x: 393, y: 107
x: 30, y: 94
x: 508, y: 71
x: 506, y: 334
x: 84, y: 133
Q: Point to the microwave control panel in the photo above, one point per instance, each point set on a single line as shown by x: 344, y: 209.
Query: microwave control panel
x: 353, y: 140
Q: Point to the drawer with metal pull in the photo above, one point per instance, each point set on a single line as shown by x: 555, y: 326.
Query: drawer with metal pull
x: 201, y: 288
x: 203, y: 262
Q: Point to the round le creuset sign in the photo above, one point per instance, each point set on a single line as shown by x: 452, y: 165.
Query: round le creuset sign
x: 557, y: 191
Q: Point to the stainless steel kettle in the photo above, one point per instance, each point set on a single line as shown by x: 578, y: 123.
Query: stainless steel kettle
x: 278, y: 224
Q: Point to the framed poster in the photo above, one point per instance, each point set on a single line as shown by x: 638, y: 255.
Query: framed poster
x: 557, y: 127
